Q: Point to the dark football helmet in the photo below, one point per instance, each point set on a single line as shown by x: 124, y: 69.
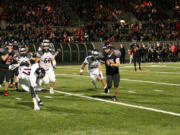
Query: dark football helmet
x: 40, y: 72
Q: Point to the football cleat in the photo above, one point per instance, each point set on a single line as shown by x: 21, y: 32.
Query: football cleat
x: 106, y: 91
x: 11, y: 85
x: 16, y: 86
x: 115, y: 98
x: 40, y: 103
x: 140, y: 69
x: 5, y: 93
x: 36, y: 108
x: 51, y: 91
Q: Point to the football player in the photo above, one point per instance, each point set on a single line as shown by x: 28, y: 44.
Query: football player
x: 29, y: 75
x: 46, y: 61
x: 94, y: 68
x: 110, y: 57
x: 14, y: 73
x: 29, y: 82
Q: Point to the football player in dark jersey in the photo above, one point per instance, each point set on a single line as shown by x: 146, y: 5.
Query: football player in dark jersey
x: 111, y: 59
x: 136, y: 56
x: 4, y: 67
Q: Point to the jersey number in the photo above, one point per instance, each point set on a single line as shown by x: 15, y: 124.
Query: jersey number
x: 27, y: 71
x: 46, y: 60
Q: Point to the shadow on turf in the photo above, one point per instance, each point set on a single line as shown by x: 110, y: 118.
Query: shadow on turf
x: 85, y: 90
x: 102, y: 96
x: 29, y: 104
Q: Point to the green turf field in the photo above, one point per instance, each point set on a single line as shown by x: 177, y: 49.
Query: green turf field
x: 83, y: 110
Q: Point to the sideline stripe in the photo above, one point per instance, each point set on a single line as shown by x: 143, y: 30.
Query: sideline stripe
x: 151, y: 82
x: 120, y: 103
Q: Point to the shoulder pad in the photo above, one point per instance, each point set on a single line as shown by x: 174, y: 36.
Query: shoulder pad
x: 39, y: 53
x: 39, y: 49
x: 117, y: 53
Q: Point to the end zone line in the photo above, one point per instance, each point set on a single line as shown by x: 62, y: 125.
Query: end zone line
x: 120, y: 103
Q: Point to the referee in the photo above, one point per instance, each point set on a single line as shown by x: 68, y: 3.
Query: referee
x: 112, y: 63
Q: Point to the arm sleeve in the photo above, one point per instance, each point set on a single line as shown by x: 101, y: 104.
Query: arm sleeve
x: 86, y: 60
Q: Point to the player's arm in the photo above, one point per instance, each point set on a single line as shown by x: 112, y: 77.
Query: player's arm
x: 100, y: 67
x: 82, y: 68
x: 117, y: 60
x: 57, y: 52
x: 29, y: 63
x: 117, y: 64
x: 4, y: 57
x: 53, y: 62
x: 37, y: 60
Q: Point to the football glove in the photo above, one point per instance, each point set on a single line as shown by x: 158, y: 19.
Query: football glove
x: 13, y: 66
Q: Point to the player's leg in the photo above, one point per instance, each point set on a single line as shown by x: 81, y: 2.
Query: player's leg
x: 16, y: 78
x: 12, y: 78
x: 134, y: 60
x: 33, y: 94
x: 24, y: 85
x: 2, y: 76
x: 103, y: 82
x: 8, y: 76
x: 93, y: 79
x: 116, y: 80
x: 139, y: 63
x: 52, y: 79
x: 109, y: 82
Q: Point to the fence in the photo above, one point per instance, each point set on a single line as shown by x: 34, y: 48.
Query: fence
x: 75, y: 53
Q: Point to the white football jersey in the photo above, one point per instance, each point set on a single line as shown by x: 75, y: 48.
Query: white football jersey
x: 92, y: 63
x: 27, y: 75
x: 45, y: 60
x: 23, y: 58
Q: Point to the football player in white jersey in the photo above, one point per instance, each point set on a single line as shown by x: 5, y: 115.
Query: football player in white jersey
x: 94, y: 68
x: 46, y: 61
x: 29, y: 75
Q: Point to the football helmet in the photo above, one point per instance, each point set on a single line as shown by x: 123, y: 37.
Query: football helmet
x: 95, y: 52
x: 40, y: 72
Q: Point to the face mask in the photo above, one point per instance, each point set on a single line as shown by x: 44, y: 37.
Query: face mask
x: 45, y: 50
x: 23, y: 55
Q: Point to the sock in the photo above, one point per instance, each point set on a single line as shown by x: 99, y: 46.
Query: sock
x: 35, y: 102
x: 37, y: 98
x: 11, y: 80
x: 51, y: 88
x: 40, y: 82
x: 16, y: 84
x: 94, y: 83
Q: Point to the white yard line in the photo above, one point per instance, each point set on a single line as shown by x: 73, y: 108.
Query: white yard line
x: 19, y: 98
x: 124, y: 79
x: 161, y: 83
x: 130, y: 91
x: 120, y: 103
x: 48, y: 97
x: 158, y: 90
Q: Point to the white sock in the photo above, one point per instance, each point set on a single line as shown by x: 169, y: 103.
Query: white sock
x: 37, y: 98
x: 35, y: 102
x: 40, y: 82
